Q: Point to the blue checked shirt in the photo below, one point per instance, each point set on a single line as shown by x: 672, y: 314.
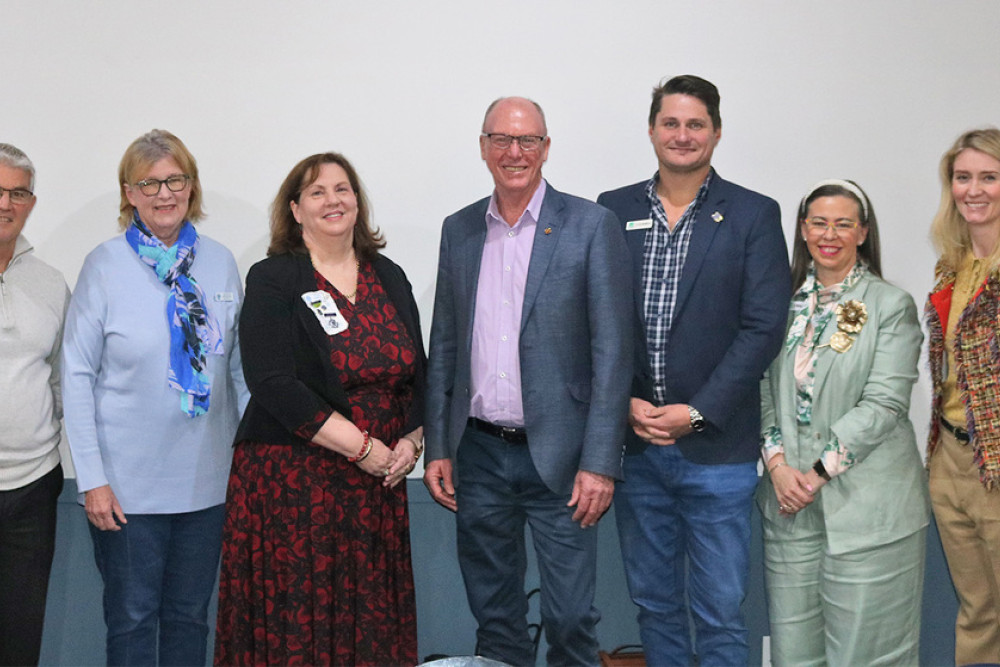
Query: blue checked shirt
x: 663, y: 261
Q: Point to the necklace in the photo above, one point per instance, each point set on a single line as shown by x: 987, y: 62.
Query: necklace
x: 357, y: 280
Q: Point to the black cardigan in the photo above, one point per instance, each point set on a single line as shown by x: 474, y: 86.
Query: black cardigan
x: 286, y: 353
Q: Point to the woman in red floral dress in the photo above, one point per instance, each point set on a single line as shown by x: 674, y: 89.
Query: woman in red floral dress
x: 316, y: 553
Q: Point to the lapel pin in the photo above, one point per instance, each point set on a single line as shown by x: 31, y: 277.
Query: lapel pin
x: 717, y: 216
x: 548, y: 230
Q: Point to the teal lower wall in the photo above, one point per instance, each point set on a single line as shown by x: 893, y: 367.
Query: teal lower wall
x: 74, y: 625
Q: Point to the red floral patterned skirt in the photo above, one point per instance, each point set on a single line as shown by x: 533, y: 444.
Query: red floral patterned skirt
x: 316, y: 563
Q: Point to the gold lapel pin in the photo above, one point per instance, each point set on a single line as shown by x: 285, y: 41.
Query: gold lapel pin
x: 717, y: 216
x: 548, y: 230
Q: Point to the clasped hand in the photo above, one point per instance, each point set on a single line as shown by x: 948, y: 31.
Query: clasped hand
x: 392, y: 464
x: 793, y: 488
x: 659, y: 425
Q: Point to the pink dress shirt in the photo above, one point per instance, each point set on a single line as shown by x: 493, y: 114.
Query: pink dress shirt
x: 503, y: 271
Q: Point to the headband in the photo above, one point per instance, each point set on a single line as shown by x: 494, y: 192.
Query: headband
x: 847, y: 185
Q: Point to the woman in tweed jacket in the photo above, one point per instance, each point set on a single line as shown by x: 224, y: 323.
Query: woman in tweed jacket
x: 963, y: 319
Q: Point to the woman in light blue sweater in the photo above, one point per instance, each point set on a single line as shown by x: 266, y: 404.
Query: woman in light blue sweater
x: 153, y: 391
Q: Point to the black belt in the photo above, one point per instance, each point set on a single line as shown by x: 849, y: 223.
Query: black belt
x: 960, y: 433
x: 511, y: 434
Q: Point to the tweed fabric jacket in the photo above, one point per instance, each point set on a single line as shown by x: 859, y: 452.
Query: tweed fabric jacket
x: 977, y: 354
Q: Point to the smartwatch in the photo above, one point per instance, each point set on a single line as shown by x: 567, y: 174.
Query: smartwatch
x: 820, y: 469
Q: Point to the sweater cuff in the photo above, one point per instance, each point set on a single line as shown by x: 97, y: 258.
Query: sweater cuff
x: 309, y: 430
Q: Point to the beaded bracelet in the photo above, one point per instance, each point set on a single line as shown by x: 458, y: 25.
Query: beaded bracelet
x: 366, y: 449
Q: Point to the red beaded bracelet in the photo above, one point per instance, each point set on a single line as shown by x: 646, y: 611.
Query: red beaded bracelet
x: 366, y: 449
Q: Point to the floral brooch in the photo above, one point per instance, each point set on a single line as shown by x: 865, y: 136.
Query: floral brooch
x: 851, y: 317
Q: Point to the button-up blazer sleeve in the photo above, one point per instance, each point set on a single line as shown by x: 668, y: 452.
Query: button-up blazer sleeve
x: 575, y: 339
x: 732, y: 302
x: 286, y: 354
x: 861, y: 396
x: 278, y: 343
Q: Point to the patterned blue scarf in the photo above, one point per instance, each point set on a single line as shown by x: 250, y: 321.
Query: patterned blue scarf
x: 194, y: 333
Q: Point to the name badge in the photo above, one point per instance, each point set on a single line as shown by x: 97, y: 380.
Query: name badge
x: 326, y: 311
x: 225, y: 297
x: 638, y: 224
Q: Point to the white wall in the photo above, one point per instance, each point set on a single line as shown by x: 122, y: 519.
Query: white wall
x: 865, y: 89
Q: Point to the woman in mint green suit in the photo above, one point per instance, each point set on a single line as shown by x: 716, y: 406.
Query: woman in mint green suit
x: 844, y: 499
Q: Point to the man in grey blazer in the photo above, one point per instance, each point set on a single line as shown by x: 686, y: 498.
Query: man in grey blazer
x: 528, y: 387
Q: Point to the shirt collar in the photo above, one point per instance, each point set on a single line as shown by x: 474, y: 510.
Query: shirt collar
x: 533, y: 210
x: 652, y: 183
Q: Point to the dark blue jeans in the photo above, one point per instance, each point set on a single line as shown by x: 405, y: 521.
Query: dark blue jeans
x: 669, y: 511
x: 159, y: 577
x: 499, y: 491
x: 27, y: 542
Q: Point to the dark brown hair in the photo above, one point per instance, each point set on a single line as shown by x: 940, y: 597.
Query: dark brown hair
x: 286, y: 233
x: 688, y: 84
x: 870, y: 251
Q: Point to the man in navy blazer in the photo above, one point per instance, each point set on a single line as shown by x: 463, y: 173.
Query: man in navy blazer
x: 528, y: 389
x: 711, y: 283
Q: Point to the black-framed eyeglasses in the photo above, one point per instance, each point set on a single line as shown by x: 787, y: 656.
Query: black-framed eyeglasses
x: 527, y: 142
x: 17, y: 195
x: 151, y: 186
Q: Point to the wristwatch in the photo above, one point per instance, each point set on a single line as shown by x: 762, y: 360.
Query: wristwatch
x: 697, y: 421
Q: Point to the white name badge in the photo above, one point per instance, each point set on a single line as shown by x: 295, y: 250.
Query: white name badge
x: 326, y: 311
x: 638, y: 224
x: 225, y: 297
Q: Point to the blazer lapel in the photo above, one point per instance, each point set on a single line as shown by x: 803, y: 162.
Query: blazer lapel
x: 546, y: 236
x: 825, y: 356
x: 469, y: 250
x: 636, y: 240
x: 705, y: 228
x: 306, y: 282
x: 472, y: 254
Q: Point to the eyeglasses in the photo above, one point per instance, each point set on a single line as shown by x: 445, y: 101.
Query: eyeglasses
x: 527, y: 142
x: 17, y: 195
x: 840, y: 225
x: 151, y: 186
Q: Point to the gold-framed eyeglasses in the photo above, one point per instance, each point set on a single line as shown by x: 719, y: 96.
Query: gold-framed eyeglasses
x: 527, y: 142
x: 17, y: 195
x: 151, y: 186
x: 840, y: 225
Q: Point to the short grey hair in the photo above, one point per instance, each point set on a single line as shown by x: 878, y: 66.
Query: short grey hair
x: 14, y: 157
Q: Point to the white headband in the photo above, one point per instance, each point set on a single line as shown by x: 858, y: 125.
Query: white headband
x: 847, y: 185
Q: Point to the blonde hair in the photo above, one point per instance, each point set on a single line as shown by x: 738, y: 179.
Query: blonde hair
x: 141, y: 155
x: 949, y: 231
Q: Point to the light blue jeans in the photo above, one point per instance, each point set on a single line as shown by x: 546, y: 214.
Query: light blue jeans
x: 685, y: 537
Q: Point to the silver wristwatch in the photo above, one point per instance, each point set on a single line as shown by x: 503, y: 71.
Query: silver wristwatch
x: 697, y: 421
